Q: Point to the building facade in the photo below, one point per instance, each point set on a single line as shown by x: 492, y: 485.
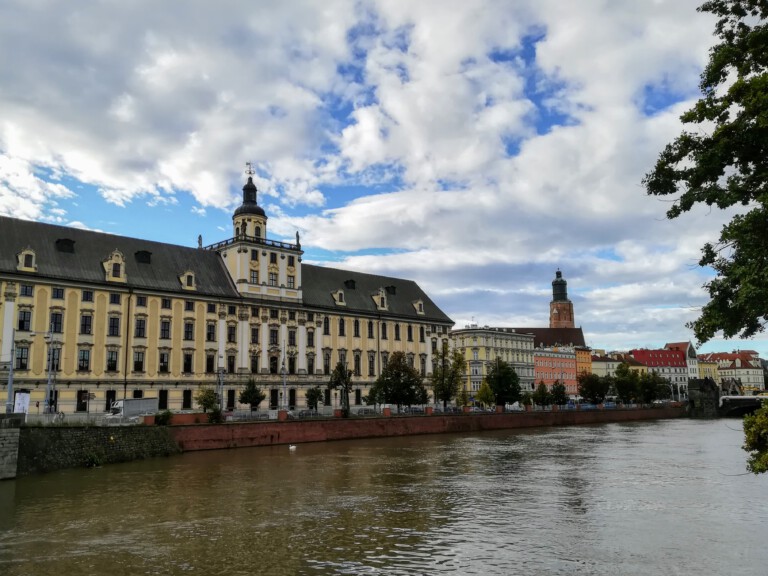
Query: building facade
x: 483, y: 345
x: 741, y: 366
x: 94, y: 317
x: 556, y: 364
x: 669, y: 364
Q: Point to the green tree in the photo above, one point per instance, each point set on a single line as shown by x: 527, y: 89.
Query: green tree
x: 526, y: 399
x: 541, y: 395
x: 504, y: 382
x: 756, y: 439
x: 400, y: 383
x: 206, y: 398
x: 313, y: 396
x: 627, y: 383
x: 723, y: 161
x: 341, y: 380
x: 252, y: 395
x: 559, y: 393
x: 463, y: 397
x: 652, y: 387
x: 485, y: 395
x: 448, y: 374
x: 592, y: 387
x: 375, y: 395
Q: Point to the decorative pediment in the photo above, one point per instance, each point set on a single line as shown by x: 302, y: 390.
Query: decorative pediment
x: 188, y: 280
x: 114, y: 267
x: 26, y: 260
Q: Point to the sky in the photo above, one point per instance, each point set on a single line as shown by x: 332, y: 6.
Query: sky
x: 474, y: 147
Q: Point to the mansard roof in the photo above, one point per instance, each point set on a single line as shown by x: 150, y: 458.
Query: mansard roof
x: 90, y: 249
x: 548, y: 337
x: 320, y: 283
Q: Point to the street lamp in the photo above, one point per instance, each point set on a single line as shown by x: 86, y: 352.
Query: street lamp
x: 220, y: 383
x: 49, y: 388
x: 285, y: 396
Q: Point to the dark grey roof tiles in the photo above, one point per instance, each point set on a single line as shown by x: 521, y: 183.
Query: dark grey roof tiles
x: 84, y: 262
x: 319, y: 283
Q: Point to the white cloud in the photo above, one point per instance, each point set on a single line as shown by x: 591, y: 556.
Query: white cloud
x: 478, y: 145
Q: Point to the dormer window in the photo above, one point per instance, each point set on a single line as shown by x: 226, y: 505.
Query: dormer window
x: 338, y: 297
x: 381, y: 299
x: 26, y: 261
x: 188, y: 280
x: 114, y: 267
x: 419, y: 306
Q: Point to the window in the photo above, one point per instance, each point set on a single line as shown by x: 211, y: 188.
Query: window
x: 273, y: 337
x: 111, y: 360
x: 341, y: 327
x: 291, y: 261
x: 138, y: 361
x: 25, y: 320
x: 189, y: 330
x: 356, y: 328
x: 357, y: 364
x: 272, y: 258
x: 114, y: 298
x: 370, y: 328
x: 26, y: 290
x: 291, y: 337
x: 384, y: 359
x: 231, y: 364
x: 231, y: 333
x: 383, y: 330
x: 311, y: 339
x: 190, y: 280
x: 231, y: 310
x: 210, y: 363
x: 29, y: 261
x: 141, y: 301
x: 326, y: 326
x: 254, y: 276
x: 113, y: 327
x: 310, y: 316
x: 165, y: 303
x: 211, y: 308
x: 310, y: 364
x: 292, y: 368
x: 254, y: 335
x: 189, y: 306
x: 371, y: 363
x: 164, y: 363
x: 57, y: 293
x: 22, y: 358
x: 273, y: 314
x: 409, y: 333
x: 327, y: 363
x: 57, y: 320
x: 421, y: 333
x: 273, y: 279
x: 254, y: 311
x: 87, y: 296
x: 273, y: 365
x: 141, y: 328
x: 83, y: 360
x: 397, y: 331
x: 55, y: 358
x: 210, y: 332
x: 115, y: 270
x: 292, y: 315
x: 165, y: 329
x: 254, y: 363
x: 186, y: 400
x: 188, y: 362
x: 254, y: 255
x: 291, y: 281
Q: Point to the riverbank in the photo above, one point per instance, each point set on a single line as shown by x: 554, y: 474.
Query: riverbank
x: 50, y: 448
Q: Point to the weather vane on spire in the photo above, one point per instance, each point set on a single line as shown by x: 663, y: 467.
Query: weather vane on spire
x: 249, y: 169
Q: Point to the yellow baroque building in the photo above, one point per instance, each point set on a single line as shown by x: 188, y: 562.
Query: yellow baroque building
x: 90, y: 318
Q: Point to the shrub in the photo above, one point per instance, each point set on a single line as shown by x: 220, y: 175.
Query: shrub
x: 163, y: 418
x: 215, y: 416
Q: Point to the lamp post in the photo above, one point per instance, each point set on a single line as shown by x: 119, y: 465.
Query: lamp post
x: 220, y: 383
x: 9, y: 403
x: 285, y: 397
x: 49, y: 388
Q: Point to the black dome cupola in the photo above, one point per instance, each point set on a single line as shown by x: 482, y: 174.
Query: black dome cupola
x: 559, y: 288
x: 249, y: 205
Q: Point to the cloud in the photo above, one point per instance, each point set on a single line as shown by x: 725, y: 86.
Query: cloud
x: 472, y: 146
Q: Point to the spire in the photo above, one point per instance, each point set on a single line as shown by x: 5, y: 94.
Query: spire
x: 559, y: 288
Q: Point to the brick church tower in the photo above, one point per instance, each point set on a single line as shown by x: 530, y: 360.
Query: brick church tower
x: 560, y: 309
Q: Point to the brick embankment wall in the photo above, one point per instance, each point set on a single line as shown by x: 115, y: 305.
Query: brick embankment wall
x: 50, y: 448
x: 238, y: 435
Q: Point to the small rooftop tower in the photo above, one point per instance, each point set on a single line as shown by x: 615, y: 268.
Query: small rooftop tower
x: 560, y: 309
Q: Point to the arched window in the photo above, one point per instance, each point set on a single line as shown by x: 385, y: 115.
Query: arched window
x: 326, y: 326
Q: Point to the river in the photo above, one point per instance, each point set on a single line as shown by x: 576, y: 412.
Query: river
x: 651, y: 498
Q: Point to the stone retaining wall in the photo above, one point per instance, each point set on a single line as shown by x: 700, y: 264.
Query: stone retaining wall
x: 49, y: 448
x: 9, y: 444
